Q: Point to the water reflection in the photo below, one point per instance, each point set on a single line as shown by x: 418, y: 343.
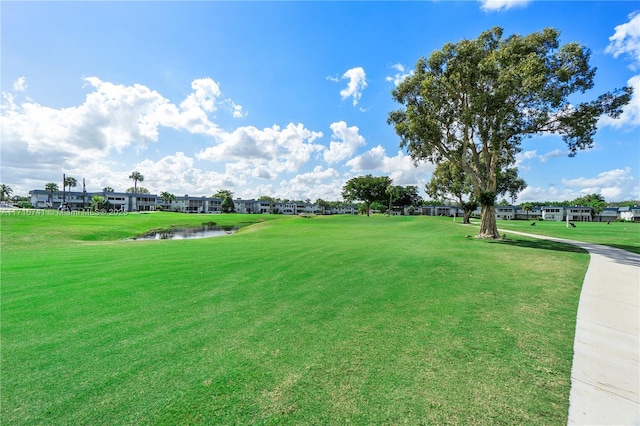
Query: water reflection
x: 188, y: 233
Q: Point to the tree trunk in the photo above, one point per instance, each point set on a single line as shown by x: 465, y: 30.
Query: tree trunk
x: 467, y: 216
x: 488, y: 225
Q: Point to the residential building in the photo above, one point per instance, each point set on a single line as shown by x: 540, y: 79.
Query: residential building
x: 505, y: 212
x: 534, y: 214
x: 579, y: 214
x: 630, y: 213
x: 608, y: 214
x: 553, y: 213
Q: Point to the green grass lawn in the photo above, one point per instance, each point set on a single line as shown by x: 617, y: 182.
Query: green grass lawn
x: 322, y: 320
x: 624, y: 235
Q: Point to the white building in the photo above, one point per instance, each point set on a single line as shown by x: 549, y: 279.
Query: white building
x: 630, y: 213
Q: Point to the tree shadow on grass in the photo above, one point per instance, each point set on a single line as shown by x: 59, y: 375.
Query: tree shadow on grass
x: 542, y: 245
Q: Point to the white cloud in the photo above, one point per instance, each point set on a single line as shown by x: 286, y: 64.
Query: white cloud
x: 350, y: 142
x: 357, y: 83
x: 498, y: 5
x: 271, y: 151
x: 604, y: 179
x: 20, y: 85
x: 552, y: 193
x: 319, y: 183
x: 630, y: 116
x: 206, y: 91
x: 399, y: 168
x: 522, y: 157
x: 112, y: 117
x: 400, y: 75
x: 553, y: 154
x: 178, y: 174
x: 237, y: 110
x: 370, y: 160
x: 316, y: 176
x: 626, y: 39
x: 613, y: 185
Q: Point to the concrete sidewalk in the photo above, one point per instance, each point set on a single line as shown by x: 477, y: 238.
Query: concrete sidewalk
x: 605, y: 374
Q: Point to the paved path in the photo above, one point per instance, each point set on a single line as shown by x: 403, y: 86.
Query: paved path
x: 605, y: 374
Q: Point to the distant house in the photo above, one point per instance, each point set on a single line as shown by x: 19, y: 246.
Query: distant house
x: 534, y: 214
x: 77, y: 200
x: 506, y: 212
x: 570, y: 213
x: 439, y: 211
x: 608, y: 214
x: 553, y: 213
x: 631, y: 214
x: 579, y: 213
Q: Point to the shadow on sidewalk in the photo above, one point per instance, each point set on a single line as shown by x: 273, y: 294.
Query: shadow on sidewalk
x: 543, y: 245
x: 632, y: 249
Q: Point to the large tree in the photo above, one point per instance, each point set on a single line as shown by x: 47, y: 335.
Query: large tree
x: 449, y: 181
x: 227, y: 205
x: 324, y: 205
x: 366, y: 189
x: 222, y: 193
x: 406, y: 196
x: 473, y: 102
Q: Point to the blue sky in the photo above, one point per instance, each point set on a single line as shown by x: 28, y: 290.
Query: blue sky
x: 287, y: 99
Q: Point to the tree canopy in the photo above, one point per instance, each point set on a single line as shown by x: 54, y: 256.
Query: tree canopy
x: 450, y: 182
x: 167, y: 197
x: 473, y: 102
x: 366, y: 189
x: 222, y: 193
x: 227, y: 205
x: 595, y: 201
x: 70, y: 182
x: 138, y: 190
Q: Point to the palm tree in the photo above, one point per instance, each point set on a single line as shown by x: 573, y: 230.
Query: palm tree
x: 527, y: 207
x: 108, y: 189
x: 69, y: 182
x: 136, y: 177
x: 167, y: 197
x: 51, y: 187
x: 5, y: 191
x: 392, y: 191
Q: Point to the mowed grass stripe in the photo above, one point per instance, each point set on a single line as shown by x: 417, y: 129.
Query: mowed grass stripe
x: 293, y: 321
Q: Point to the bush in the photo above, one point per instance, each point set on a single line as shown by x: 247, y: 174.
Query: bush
x: 23, y: 204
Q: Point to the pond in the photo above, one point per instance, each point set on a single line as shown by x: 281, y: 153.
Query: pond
x: 206, y: 231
